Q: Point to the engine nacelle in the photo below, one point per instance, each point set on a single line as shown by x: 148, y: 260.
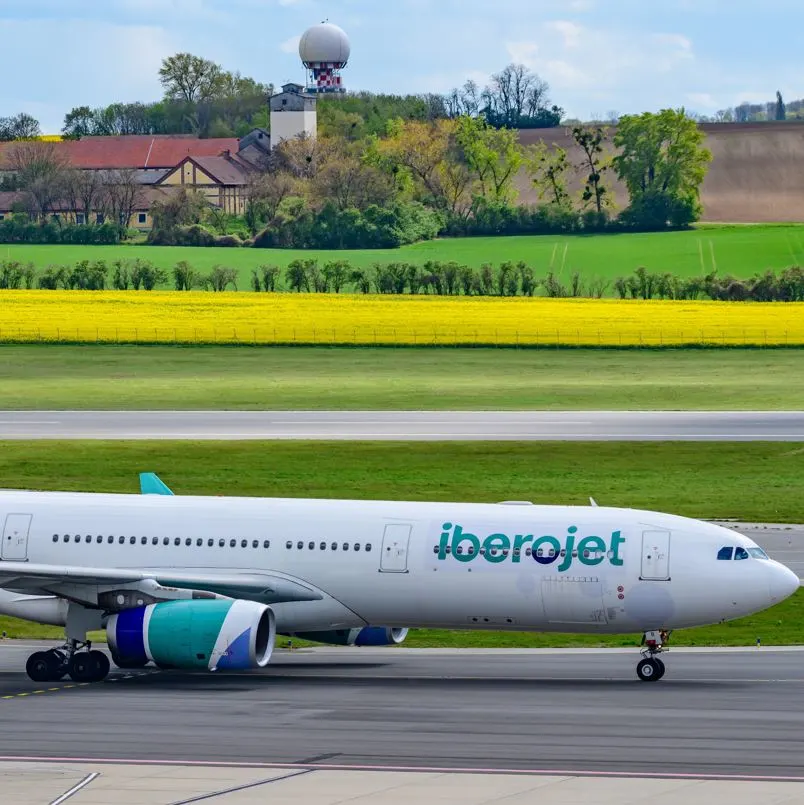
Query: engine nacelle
x: 368, y: 636
x: 211, y: 634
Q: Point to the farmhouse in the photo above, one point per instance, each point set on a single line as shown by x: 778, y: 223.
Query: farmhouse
x: 219, y: 168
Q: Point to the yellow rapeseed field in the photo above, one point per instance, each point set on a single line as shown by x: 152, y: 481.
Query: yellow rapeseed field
x: 199, y: 317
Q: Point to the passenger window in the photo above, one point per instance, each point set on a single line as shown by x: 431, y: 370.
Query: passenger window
x: 346, y: 546
x: 740, y: 553
x: 334, y: 547
x: 110, y: 540
x: 132, y: 540
x: 255, y: 543
x: 144, y: 540
x: 288, y: 544
x: 221, y: 543
x: 311, y: 546
x: 166, y: 540
x: 154, y: 540
x: 357, y: 546
x: 177, y: 541
x: 244, y: 543
x: 66, y: 537
x: 199, y: 543
x: 299, y: 545
x: 725, y: 554
x: 55, y: 538
x: 266, y: 543
x: 77, y: 538
x: 87, y: 538
x: 368, y: 548
x: 232, y: 543
x: 121, y: 540
x: 210, y: 543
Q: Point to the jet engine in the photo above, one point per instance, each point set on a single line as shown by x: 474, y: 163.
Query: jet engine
x: 368, y: 636
x: 204, y: 634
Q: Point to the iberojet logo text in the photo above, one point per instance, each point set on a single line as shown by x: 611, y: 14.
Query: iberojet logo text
x: 462, y: 546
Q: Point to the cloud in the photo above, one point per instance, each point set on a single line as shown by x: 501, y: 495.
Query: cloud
x: 291, y: 45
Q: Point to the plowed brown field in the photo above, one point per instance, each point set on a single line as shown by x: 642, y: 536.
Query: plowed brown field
x: 756, y: 175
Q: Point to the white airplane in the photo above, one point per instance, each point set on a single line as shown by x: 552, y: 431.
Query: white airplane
x: 208, y: 582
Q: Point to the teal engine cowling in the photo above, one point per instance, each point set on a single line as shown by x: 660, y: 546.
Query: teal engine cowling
x: 368, y: 636
x: 213, y: 635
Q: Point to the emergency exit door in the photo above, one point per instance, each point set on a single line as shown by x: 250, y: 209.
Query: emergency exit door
x: 15, y: 537
x: 656, y: 555
x: 395, y: 541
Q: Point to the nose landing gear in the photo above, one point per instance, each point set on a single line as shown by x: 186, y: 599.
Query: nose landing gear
x: 79, y: 660
x: 650, y: 668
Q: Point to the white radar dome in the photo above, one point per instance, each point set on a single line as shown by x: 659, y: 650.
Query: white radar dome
x: 325, y: 44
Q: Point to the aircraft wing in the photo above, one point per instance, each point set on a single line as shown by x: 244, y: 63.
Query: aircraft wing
x: 264, y: 587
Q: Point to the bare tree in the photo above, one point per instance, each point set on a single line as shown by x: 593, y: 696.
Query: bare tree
x: 121, y: 194
x: 514, y: 93
x: 40, y: 170
x: 84, y: 190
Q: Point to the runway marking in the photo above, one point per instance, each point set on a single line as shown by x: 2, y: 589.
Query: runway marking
x: 243, y: 787
x: 76, y: 788
x: 310, y: 767
x: 74, y: 686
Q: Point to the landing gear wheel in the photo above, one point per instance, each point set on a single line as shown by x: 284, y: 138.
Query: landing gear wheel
x: 650, y: 669
x: 41, y: 666
x: 89, y: 666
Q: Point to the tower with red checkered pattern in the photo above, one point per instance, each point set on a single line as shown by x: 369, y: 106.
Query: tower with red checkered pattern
x: 324, y: 50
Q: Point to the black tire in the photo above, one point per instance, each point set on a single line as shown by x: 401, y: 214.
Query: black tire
x: 649, y: 670
x: 59, y: 664
x: 102, y: 665
x: 40, y: 666
x: 661, y: 668
x: 83, y: 667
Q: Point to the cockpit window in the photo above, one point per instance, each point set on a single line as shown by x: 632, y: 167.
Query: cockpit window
x: 740, y: 553
x: 725, y: 554
x: 758, y: 553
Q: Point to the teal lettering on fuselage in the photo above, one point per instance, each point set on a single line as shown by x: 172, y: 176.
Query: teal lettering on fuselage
x: 457, y: 544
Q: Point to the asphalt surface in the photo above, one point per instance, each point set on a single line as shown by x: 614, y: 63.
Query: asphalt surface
x: 714, y: 713
x: 406, y: 425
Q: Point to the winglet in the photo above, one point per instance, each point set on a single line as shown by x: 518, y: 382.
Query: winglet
x: 592, y: 502
x: 152, y: 484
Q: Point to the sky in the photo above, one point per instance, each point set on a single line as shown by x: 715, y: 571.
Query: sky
x: 598, y: 56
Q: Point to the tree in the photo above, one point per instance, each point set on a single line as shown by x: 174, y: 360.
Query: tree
x: 493, y: 155
x: 78, y: 123
x: 517, y: 97
x: 121, y: 194
x: 347, y: 179
x: 19, y: 127
x: 591, y: 142
x: 41, y: 172
x: 84, y: 189
x: 190, y: 78
x: 548, y: 169
x: 781, y: 109
x: 662, y: 162
x: 264, y: 193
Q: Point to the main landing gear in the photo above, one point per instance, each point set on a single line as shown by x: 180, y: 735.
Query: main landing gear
x: 79, y: 660
x: 650, y: 668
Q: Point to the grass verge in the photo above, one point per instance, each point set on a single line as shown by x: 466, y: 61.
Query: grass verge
x: 331, y: 378
x: 739, y: 250
x: 751, y: 481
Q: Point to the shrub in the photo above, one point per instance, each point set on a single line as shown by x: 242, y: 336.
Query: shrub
x: 220, y: 278
x: 185, y: 277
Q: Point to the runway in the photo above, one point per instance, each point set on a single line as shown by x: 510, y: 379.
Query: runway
x: 722, y: 714
x: 407, y: 425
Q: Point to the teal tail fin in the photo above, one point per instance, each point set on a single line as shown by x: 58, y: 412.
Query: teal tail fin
x: 152, y: 484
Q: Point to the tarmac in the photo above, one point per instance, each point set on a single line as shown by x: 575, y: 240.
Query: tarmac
x: 397, y: 725
x: 408, y: 425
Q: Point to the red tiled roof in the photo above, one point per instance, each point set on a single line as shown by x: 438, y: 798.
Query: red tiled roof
x: 136, y: 150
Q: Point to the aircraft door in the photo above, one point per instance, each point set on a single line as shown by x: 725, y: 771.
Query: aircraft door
x: 394, y: 555
x: 15, y: 537
x: 655, y: 556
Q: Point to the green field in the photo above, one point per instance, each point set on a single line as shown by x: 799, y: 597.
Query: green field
x: 274, y: 378
x: 752, y: 481
x: 739, y: 250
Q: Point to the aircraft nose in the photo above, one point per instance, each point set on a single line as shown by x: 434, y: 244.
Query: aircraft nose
x: 783, y: 583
